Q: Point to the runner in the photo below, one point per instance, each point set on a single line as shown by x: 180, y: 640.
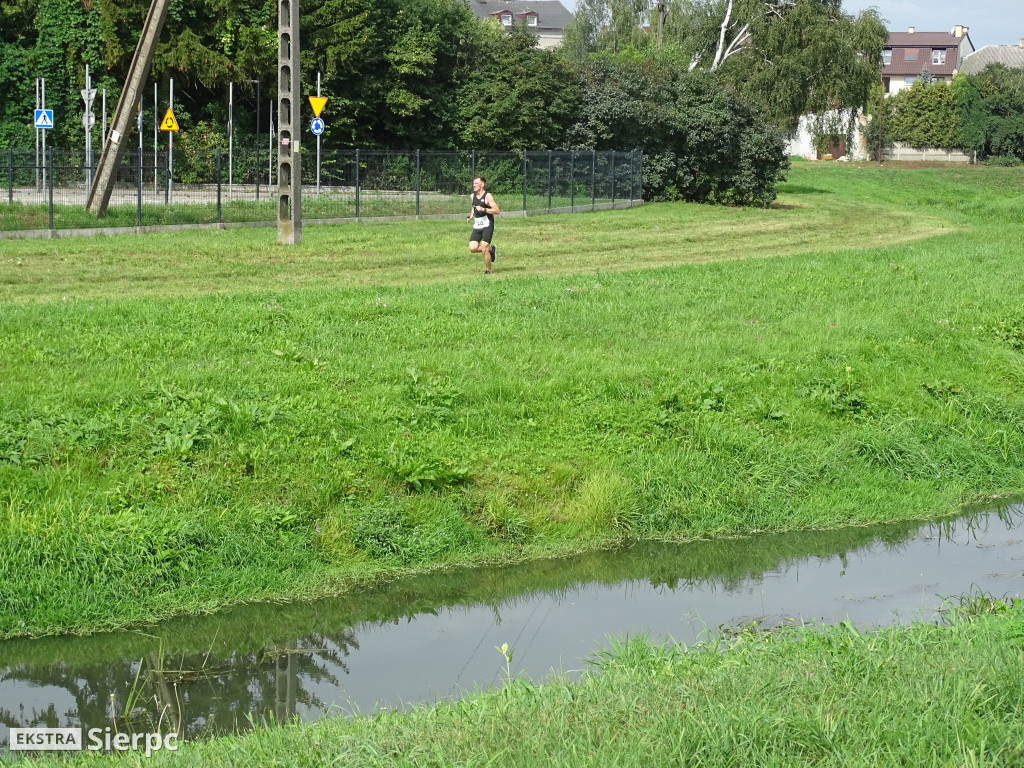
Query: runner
x: 482, y: 213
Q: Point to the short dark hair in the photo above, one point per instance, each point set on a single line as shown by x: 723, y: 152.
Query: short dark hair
x: 482, y: 179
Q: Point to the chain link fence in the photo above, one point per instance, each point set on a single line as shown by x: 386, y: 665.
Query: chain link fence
x: 162, y: 188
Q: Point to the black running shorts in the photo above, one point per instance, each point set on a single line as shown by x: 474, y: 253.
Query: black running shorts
x: 482, y: 235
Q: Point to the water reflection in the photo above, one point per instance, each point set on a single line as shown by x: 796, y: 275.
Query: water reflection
x: 434, y: 636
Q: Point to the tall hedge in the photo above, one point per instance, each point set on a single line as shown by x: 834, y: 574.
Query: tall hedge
x: 702, y: 142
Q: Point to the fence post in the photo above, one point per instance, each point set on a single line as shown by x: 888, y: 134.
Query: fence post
x: 633, y: 154
x: 640, y: 178
x: 549, y: 181
x: 357, y: 185
x: 417, y: 183
x: 472, y: 166
x: 613, y: 179
x: 218, y: 181
x: 572, y: 181
x: 10, y: 175
x: 524, y: 182
x: 167, y: 178
x: 593, y: 179
x: 49, y: 181
x: 138, y: 196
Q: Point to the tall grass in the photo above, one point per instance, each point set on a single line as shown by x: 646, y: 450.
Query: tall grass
x: 194, y: 421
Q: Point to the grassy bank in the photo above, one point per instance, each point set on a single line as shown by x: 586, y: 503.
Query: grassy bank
x: 203, y: 419
x: 925, y: 695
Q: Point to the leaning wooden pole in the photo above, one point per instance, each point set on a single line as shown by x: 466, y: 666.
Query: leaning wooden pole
x: 289, y: 170
x: 114, y: 142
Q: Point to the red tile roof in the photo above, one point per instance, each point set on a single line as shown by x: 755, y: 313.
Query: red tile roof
x: 900, y: 43
x: 900, y: 65
x: 923, y: 39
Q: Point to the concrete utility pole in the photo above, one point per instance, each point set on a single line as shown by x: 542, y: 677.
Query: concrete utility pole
x: 289, y: 175
x: 106, y: 169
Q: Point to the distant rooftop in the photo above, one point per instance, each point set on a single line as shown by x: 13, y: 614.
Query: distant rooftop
x: 551, y: 14
x: 1011, y: 56
x: 911, y: 51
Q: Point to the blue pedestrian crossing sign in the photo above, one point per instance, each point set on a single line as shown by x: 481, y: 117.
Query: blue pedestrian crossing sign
x: 316, y: 125
x: 43, y: 118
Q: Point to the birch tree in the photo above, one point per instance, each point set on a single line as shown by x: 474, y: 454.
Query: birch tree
x: 793, y: 56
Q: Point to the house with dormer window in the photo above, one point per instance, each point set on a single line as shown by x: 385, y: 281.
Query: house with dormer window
x: 547, y: 19
x: 906, y: 54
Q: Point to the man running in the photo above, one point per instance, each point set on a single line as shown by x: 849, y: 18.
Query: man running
x: 482, y: 213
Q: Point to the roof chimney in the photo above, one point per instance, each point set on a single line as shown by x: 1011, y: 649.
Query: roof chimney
x: 911, y: 30
x: 958, y: 30
x: 1021, y: 43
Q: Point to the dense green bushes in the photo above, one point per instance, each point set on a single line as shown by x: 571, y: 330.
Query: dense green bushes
x: 975, y: 113
x: 702, y: 142
x: 402, y: 74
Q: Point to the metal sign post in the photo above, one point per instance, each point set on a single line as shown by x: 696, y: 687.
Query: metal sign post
x: 318, y: 140
x: 156, y: 136
x: 231, y: 138
x: 170, y: 153
x: 88, y: 121
x: 316, y: 126
x: 37, y: 137
x: 42, y: 93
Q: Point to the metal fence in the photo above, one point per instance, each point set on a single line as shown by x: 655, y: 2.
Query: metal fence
x: 192, y: 188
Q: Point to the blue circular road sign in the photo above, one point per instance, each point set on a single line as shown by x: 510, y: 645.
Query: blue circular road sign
x: 316, y: 125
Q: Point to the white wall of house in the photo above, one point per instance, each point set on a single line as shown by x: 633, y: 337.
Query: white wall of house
x: 801, y: 143
x: 549, y: 40
x: 900, y: 82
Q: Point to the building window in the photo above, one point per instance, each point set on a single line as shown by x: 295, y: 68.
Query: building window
x: 531, y: 21
x: 910, y: 80
x: 887, y: 56
x: 910, y: 55
x: 939, y: 57
x: 506, y: 19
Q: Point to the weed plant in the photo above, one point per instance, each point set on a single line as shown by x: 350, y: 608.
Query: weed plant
x: 202, y: 419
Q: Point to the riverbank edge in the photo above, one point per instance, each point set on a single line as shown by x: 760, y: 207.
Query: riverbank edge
x: 325, y: 585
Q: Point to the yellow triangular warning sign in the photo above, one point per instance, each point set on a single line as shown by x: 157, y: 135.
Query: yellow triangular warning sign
x: 317, y: 103
x: 169, y: 123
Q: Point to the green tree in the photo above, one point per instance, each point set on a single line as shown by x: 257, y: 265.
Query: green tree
x: 393, y: 68
x: 17, y: 39
x: 518, y: 97
x: 701, y: 140
x: 584, y: 31
x: 808, y: 57
x: 1001, y: 107
x: 794, y: 57
x: 970, y: 117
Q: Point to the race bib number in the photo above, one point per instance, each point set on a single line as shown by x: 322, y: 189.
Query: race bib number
x: 481, y: 222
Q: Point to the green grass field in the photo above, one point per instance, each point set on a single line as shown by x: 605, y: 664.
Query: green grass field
x: 199, y: 419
